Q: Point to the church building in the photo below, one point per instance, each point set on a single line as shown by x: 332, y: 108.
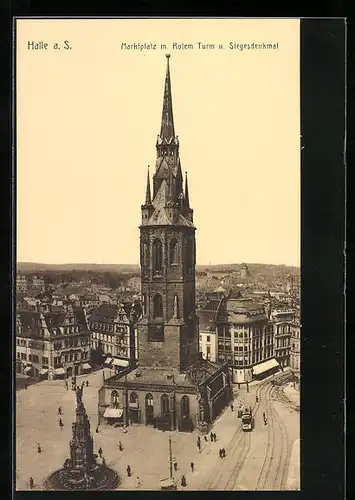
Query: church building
x: 172, y: 386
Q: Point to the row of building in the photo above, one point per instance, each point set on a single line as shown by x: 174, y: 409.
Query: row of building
x: 57, y: 340
x: 238, y: 330
x: 63, y: 341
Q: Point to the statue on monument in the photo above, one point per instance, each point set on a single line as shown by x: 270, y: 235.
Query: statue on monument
x: 79, y: 395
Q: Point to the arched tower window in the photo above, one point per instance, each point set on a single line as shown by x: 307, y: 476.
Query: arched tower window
x: 114, y: 399
x: 157, y: 256
x: 185, y: 407
x: 144, y: 300
x: 173, y: 257
x: 157, y: 306
x: 145, y: 256
x: 164, y: 405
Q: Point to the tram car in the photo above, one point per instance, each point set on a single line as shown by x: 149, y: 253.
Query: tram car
x: 247, y: 419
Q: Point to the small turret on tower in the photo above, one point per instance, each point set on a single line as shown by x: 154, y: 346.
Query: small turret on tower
x: 147, y: 208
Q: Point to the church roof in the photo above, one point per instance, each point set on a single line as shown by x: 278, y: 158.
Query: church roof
x: 158, y: 376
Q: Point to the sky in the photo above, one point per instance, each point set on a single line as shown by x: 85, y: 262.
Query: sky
x: 88, y: 118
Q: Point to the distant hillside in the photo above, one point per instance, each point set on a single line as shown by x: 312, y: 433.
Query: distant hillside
x: 28, y: 267
x: 255, y: 269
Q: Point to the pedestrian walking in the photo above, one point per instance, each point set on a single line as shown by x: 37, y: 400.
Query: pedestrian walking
x: 129, y: 471
x: 206, y: 438
x: 87, y: 383
x: 220, y: 453
x: 175, y: 466
x: 264, y: 415
x: 61, y: 425
x: 39, y: 449
x: 256, y: 399
x: 100, y: 452
x: 97, y: 429
x: 138, y: 482
x: 59, y: 411
x: 199, y: 444
x: 192, y: 465
x: 223, y: 453
x: 31, y: 483
x: 232, y: 407
x: 103, y: 461
x: 211, y: 436
x: 183, y: 481
x: 66, y: 384
x: 25, y: 386
x: 198, y: 439
x: 120, y: 446
x: 214, y: 437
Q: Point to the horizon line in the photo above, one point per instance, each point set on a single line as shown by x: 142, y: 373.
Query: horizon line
x: 137, y: 264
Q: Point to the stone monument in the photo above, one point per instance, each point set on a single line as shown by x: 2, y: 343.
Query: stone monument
x: 82, y: 471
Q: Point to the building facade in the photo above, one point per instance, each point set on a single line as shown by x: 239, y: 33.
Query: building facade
x: 207, y: 330
x: 21, y: 283
x: 173, y: 387
x: 282, y: 322
x: 295, y: 355
x: 52, y: 344
x: 113, y: 332
x: 244, y: 338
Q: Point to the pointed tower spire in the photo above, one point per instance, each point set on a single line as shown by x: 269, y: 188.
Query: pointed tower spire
x: 148, y: 197
x: 187, y: 201
x: 167, y: 130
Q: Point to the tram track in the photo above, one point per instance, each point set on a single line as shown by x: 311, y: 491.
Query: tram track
x: 277, y: 452
x: 237, y: 452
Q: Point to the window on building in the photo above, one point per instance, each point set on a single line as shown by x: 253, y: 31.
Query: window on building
x: 23, y: 355
x: 173, y: 252
x: 157, y: 256
x: 149, y: 400
x: 157, y: 306
x: 133, y: 398
x: 189, y: 255
x: 18, y: 355
x: 185, y: 407
x: 208, y: 338
x: 164, y: 405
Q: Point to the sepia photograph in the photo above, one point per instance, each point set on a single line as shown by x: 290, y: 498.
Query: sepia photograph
x: 158, y: 241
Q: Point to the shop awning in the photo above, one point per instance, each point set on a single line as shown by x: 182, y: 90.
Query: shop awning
x: 263, y: 367
x: 44, y: 371
x: 86, y: 366
x: 27, y: 369
x: 113, y: 413
x: 120, y: 362
x: 59, y: 371
x: 108, y: 361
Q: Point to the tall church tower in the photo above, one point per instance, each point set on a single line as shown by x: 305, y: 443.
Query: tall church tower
x: 168, y: 330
